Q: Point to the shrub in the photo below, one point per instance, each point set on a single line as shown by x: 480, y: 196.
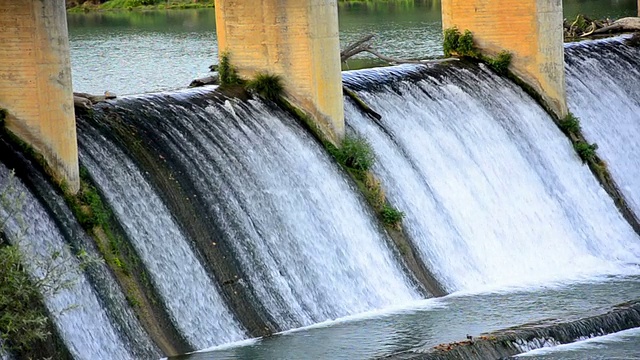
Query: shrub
x: 355, y: 153
x: 227, y: 73
x: 458, y: 44
x: 391, y: 216
x: 500, y: 63
x: 269, y: 86
x: 586, y: 151
x: 3, y: 116
x: 450, y: 44
x: 24, y: 327
x: 570, y: 124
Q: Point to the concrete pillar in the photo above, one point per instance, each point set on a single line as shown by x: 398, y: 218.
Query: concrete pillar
x: 530, y: 29
x: 35, y: 82
x: 297, y: 39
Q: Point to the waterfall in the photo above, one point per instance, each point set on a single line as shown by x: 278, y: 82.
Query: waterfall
x: 193, y: 301
x: 77, y: 312
x: 603, y: 92
x: 494, y: 194
x: 298, y: 228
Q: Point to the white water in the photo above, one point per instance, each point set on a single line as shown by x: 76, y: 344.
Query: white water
x: 604, y: 93
x: 493, y: 193
x: 300, y: 232
x: 76, y: 311
x: 191, y: 298
x: 591, y: 346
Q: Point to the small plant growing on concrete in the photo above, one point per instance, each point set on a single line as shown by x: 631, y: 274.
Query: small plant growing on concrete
x: 228, y: 74
x: 268, y: 86
x: 457, y: 44
x: 355, y: 153
x: 391, y: 216
x: 500, y: 63
x: 570, y: 124
x: 586, y: 151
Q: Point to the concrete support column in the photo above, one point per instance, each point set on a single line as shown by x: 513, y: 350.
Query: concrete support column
x: 297, y: 39
x: 530, y: 29
x: 35, y: 81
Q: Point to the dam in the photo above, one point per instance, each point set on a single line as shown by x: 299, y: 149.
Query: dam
x: 240, y: 224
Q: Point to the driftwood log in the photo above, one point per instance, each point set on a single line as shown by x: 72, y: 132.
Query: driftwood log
x: 85, y: 101
x: 583, y: 26
x: 364, y: 45
x: 214, y: 79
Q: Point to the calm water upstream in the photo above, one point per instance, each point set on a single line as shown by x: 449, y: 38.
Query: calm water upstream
x: 136, y: 52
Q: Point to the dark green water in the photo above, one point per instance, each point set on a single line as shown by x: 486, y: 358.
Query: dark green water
x: 135, y: 52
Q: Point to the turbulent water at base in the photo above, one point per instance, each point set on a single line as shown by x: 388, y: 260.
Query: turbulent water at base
x: 78, y: 314
x: 303, y: 236
x: 193, y: 301
x: 494, y: 194
x: 603, y: 89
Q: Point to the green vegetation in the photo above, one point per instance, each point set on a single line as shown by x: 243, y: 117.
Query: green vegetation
x: 98, y: 5
x: 268, y: 86
x: 228, y: 73
x: 3, y: 116
x: 356, y: 157
x: 355, y: 153
x: 391, y: 216
x: 586, y: 151
x: 25, y: 329
x: 570, y: 124
x: 457, y: 44
x: 500, y: 63
x: 96, y: 218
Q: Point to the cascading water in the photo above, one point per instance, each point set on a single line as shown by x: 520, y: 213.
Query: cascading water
x: 494, y: 194
x: 604, y: 93
x: 304, y: 238
x: 193, y: 301
x: 77, y: 312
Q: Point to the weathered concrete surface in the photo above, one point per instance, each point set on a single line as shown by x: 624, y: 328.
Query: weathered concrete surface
x: 297, y: 39
x: 530, y: 29
x: 35, y: 81
x: 503, y: 344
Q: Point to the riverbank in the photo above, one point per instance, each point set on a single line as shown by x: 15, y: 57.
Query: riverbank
x: 127, y: 5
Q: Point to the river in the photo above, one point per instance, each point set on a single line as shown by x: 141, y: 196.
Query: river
x: 134, y: 52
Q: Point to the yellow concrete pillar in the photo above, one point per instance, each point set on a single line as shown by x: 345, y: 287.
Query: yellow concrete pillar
x: 530, y: 29
x: 35, y: 81
x: 297, y: 39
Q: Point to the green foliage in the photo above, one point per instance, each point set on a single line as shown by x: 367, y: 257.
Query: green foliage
x: 269, y: 86
x: 355, y: 153
x: 24, y: 326
x: 500, y: 63
x: 570, y: 124
x: 458, y: 44
x: 22, y: 321
x: 228, y: 74
x: 3, y: 116
x: 391, y: 216
x: 586, y: 151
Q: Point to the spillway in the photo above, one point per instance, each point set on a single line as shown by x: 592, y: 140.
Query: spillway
x: 298, y: 229
x: 603, y: 92
x: 82, y: 320
x: 193, y: 301
x: 493, y: 192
